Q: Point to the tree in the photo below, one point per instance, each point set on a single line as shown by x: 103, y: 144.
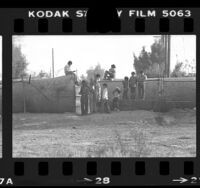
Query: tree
x: 178, y: 70
x: 41, y: 74
x: 152, y: 63
x: 93, y: 71
x: 83, y: 77
x: 19, y: 64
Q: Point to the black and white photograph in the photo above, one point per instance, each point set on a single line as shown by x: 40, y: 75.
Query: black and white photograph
x: 77, y: 96
x: 0, y: 96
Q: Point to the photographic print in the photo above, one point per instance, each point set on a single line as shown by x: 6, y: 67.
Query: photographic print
x: 104, y: 96
x: 0, y: 96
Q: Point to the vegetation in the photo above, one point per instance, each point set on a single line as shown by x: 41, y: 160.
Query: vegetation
x: 19, y: 64
x: 152, y: 63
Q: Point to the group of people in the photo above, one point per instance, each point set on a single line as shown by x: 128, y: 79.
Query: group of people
x: 134, y: 83
x: 96, y: 97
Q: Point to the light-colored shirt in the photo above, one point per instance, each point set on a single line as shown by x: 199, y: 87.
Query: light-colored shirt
x: 67, y: 69
x: 98, y: 90
x: 141, y: 79
x: 105, y: 94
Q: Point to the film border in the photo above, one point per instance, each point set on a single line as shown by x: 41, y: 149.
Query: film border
x: 49, y: 171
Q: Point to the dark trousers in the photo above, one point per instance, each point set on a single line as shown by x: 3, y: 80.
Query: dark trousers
x: 125, y: 93
x: 133, y: 92
x: 115, y: 103
x: 106, y: 106
x: 141, y: 91
x: 108, y: 75
x: 84, y: 104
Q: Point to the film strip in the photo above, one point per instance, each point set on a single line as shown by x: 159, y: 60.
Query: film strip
x: 34, y: 153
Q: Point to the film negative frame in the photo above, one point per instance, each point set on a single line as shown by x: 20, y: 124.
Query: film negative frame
x: 72, y: 171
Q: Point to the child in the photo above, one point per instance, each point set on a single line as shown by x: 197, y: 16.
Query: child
x: 105, y: 101
x: 116, y: 94
x: 133, y: 85
x: 68, y: 71
x: 125, y: 86
x: 84, y: 92
x: 97, y: 94
x: 141, y: 85
x: 109, y: 75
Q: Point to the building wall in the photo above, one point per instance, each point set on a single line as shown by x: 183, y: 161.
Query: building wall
x: 44, y: 95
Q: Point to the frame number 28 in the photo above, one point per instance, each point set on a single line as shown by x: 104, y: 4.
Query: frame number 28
x: 104, y: 180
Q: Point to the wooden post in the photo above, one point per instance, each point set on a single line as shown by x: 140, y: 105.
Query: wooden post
x: 167, y: 42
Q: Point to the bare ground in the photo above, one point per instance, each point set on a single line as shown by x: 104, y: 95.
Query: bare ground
x: 119, y: 134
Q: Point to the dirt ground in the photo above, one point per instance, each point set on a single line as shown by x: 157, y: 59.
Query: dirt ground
x: 119, y: 134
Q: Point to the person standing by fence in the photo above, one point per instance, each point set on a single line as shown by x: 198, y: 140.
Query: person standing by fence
x: 116, y: 98
x: 84, y: 92
x: 141, y: 85
x: 91, y: 96
x: 97, y: 93
x: 105, y: 101
x: 125, y: 88
x: 133, y: 85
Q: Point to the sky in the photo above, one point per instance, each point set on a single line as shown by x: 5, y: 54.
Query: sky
x: 87, y: 51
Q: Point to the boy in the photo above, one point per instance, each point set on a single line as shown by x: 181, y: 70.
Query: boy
x: 84, y: 92
x: 105, y: 101
x: 97, y: 93
x: 133, y: 85
x: 116, y: 94
x: 110, y: 74
x: 125, y: 88
x: 141, y: 85
x: 91, y: 96
x: 68, y: 71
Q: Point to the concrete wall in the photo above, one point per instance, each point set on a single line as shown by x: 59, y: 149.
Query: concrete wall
x: 1, y: 100
x: 44, y: 95
x: 58, y: 95
x: 178, y: 92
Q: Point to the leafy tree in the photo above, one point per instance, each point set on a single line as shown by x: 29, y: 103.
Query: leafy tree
x: 178, y: 70
x: 43, y: 74
x: 93, y: 71
x: 153, y: 63
x: 19, y: 64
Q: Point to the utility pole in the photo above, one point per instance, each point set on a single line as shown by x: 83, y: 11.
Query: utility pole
x: 167, y: 43
x: 53, y: 62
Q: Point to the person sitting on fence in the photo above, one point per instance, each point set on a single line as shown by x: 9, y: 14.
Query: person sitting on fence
x: 68, y: 71
x: 133, y: 85
x: 141, y: 85
x: 97, y: 97
x: 125, y: 88
x: 110, y: 74
x: 116, y: 94
x: 105, y: 100
x: 84, y: 92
